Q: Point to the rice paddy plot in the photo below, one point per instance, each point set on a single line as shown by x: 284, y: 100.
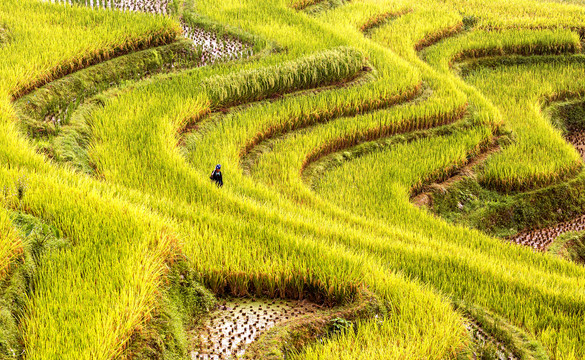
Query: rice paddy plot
x: 577, y: 138
x: 467, y: 170
x: 151, y: 6
x: 217, y: 48
x: 235, y: 324
x: 541, y: 239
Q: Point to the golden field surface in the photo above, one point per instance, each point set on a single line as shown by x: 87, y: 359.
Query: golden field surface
x: 327, y: 117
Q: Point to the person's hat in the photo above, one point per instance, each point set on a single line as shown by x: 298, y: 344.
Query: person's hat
x: 217, y: 167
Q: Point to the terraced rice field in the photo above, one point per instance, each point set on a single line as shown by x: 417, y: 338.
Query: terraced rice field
x: 329, y: 119
x: 541, y: 239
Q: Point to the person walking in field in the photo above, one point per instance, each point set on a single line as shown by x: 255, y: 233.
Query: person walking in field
x: 216, y: 176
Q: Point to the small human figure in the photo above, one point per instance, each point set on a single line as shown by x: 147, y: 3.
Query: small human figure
x: 216, y: 176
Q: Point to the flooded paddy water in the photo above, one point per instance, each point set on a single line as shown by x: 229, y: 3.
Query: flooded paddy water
x: 235, y: 324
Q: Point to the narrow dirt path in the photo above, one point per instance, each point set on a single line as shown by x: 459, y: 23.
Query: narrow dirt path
x: 538, y: 239
x: 234, y: 325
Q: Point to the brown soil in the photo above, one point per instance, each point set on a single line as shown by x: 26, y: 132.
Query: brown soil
x: 234, y: 325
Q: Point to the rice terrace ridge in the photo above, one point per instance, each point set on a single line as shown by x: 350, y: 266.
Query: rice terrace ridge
x: 401, y: 179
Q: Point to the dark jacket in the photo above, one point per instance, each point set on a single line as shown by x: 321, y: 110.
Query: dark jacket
x: 216, y: 176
